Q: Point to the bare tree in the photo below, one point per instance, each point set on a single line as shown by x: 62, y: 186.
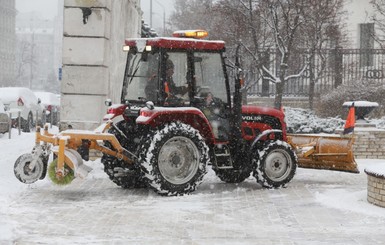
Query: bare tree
x: 26, y: 61
x: 322, y: 29
x: 283, y: 27
x: 379, y: 20
x: 283, y: 18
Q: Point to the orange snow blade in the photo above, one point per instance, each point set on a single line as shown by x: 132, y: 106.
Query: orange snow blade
x: 350, y: 121
x: 324, y: 152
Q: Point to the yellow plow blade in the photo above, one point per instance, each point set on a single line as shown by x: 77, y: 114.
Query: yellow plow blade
x: 324, y: 152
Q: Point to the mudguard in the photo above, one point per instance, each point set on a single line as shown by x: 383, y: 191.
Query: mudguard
x: 188, y: 115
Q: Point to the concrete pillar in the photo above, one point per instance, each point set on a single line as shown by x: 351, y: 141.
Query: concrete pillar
x: 93, y: 61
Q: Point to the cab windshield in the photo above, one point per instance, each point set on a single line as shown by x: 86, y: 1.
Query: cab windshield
x: 140, y: 80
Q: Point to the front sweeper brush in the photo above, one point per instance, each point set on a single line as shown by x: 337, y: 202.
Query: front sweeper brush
x: 67, y: 163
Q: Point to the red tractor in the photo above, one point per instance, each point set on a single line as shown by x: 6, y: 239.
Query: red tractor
x: 178, y: 114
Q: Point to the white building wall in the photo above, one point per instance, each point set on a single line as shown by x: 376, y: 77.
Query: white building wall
x: 58, y: 42
x: 93, y: 61
x: 358, y: 12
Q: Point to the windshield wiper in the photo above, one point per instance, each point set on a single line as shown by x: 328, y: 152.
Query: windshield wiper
x: 135, y: 70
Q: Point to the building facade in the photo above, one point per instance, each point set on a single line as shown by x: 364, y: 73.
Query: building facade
x: 93, y: 61
x: 7, y: 42
x: 359, y: 24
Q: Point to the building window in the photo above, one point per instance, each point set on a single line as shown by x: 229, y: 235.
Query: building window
x: 366, y: 44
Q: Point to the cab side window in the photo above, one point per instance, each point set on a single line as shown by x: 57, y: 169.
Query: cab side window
x: 209, y: 77
x: 175, y: 78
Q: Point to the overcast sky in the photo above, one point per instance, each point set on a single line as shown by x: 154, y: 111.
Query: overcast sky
x: 158, y: 8
x: 49, y: 9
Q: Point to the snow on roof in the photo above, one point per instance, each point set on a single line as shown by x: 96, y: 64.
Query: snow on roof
x: 48, y: 98
x: 377, y: 170
x: 12, y: 94
x: 174, y: 42
x: 361, y: 103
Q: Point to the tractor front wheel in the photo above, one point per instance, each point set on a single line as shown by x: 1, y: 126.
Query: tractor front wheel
x: 174, y: 159
x: 276, y: 165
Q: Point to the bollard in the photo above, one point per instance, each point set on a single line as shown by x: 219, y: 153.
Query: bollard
x: 10, y: 125
x: 51, y: 118
x: 19, y: 121
x: 37, y: 117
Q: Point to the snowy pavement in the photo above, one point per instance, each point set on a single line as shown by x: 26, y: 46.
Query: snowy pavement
x: 318, y: 207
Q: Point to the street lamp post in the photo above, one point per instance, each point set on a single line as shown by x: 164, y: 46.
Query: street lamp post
x: 164, y: 15
x: 151, y: 13
x: 32, y: 58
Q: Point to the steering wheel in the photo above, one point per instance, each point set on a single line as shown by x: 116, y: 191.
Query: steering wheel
x: 202, y: 91
x: 174, y: 100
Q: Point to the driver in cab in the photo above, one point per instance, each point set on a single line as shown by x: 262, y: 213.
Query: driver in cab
x: 169, y: 86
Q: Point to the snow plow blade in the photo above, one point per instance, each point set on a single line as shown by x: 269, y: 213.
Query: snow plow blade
x: 324, y: 152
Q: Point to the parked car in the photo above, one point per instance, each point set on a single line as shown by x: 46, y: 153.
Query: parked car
x: 24, y: 100
x: 4, y: 119
x: 50, y: 103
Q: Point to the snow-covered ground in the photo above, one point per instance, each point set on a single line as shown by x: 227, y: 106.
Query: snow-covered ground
x: 318, y: 207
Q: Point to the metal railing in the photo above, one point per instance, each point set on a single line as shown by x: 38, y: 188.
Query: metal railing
x: 37, y: 121
x: 325, y: 71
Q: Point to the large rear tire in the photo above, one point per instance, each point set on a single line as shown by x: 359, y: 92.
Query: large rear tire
x: 174, y: 159
x: 276, y: 165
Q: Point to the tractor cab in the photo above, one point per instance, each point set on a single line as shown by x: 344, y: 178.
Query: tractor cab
x: 179, y: 71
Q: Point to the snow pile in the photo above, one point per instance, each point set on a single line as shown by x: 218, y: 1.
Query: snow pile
x: 48, y: 98
x: 380, y: 123
x: 305, y: 121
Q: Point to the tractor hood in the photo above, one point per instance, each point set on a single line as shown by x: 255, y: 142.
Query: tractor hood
x: 248, y: 111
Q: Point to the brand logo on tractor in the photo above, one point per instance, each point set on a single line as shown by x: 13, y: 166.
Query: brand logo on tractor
x: 251, y: 118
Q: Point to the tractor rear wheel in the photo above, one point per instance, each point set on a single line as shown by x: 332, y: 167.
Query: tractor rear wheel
x: 276, y: 165
x: 174, y: 159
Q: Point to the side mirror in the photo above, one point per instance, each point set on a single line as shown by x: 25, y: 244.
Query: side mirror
x: 108, y: 102
x: 150, y: 105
